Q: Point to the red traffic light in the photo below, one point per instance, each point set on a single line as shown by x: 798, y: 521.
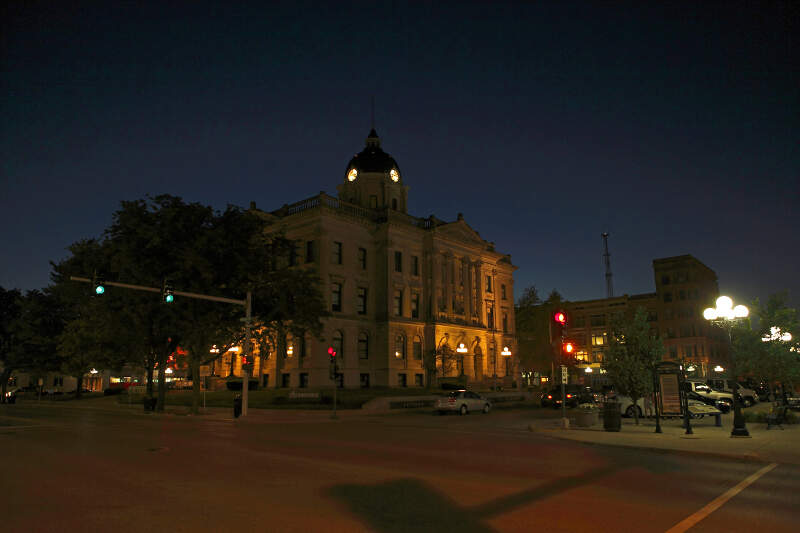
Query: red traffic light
x: 560, y: 317
x: 331, y: 351
x: 568, y: 347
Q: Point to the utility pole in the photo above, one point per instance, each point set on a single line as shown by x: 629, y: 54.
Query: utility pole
x: 246, y: 367
x: 247, y: 303
x: 607, y: 260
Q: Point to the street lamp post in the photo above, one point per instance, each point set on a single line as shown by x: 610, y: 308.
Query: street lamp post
x: 725, y: 315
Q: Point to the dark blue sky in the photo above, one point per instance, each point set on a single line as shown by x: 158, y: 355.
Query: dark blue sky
x: 673, y: 127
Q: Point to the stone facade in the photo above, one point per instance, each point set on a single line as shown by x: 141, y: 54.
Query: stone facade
x: 413, y: 300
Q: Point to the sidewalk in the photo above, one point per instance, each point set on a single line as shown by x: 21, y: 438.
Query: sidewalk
x: 774, y: 445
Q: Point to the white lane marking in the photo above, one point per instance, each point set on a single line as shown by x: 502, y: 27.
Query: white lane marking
x: 718, y: 502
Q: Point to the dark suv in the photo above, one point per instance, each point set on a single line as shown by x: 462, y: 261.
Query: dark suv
x: 575, y: 394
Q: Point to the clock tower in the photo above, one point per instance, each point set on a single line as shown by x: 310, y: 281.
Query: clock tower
x: 372, y: 179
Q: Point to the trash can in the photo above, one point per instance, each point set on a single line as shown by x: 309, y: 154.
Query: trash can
x: 237, y: 406
x: 149, y: 404
x: 612, y: 418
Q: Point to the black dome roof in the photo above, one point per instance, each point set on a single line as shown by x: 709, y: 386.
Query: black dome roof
x: 372, y: 158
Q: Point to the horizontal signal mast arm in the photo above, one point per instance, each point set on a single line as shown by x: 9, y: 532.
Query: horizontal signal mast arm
x: 156, y: 289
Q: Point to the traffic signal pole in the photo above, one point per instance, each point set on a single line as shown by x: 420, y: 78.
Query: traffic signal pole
x: 247, y: 303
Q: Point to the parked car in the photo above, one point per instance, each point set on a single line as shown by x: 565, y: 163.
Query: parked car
x: 747, y: 395
x: 703, y: 389
x: 462, y: 402
x: 574, y: 395
x: 722, y: 405
x: 627, y: 407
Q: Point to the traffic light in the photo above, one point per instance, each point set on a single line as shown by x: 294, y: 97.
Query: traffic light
x: 332, y: 355
x: 167, y: 295
x: 558, y: 325
x: 569, y: 348
x: 98, y: 283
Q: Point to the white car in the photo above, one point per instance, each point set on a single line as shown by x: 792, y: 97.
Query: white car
x: 626, y: 405
x: 462, y: 402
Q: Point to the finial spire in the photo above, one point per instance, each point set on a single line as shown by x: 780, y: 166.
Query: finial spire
x: 372, y: 116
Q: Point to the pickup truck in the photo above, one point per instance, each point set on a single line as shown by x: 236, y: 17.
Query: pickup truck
x: 747, y: 395
x: 704, y: 390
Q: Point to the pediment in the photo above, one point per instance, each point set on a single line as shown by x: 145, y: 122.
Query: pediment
x: 461, y: 232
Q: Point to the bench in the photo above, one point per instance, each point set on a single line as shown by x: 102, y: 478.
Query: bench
x: 777, y: 416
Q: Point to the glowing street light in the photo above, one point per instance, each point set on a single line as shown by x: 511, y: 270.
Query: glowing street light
x: 775, y: 334
x: 725, y: 315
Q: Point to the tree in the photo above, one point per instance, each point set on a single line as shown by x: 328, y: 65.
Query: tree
x: 10, y: 313
x: 286, y: 299
x: 632, y: 355
x: 533, y: 329
x: 774, y: 360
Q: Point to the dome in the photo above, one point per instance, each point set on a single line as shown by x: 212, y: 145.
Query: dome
x: 372, y: 158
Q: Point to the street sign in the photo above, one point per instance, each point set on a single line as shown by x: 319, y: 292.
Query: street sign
x: 564, y: 375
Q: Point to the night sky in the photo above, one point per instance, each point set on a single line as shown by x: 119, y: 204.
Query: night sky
x: 672, y: 127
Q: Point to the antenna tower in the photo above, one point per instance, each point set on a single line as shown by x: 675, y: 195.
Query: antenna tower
x: 607, y: 261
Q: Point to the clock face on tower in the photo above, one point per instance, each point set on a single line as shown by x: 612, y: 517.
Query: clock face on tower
x: 352, y: 175
x: 394, y: 175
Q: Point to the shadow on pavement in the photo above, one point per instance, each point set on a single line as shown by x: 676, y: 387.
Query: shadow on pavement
x: 411, y: 505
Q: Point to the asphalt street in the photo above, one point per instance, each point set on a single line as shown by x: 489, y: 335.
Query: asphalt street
x: 70, y: 467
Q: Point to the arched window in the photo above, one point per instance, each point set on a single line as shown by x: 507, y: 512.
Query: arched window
x: 363, y: 346
x: 338, y: 344
x: 400, y: 346
x: 417, y: 347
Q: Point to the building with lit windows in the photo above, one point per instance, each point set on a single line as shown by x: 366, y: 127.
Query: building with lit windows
x: 413, y: 300
x: 684, y: 287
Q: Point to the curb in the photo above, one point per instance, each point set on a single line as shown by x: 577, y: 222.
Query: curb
x: 748, y: 457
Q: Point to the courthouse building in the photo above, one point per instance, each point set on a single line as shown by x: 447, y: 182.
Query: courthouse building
x: 406, y: 294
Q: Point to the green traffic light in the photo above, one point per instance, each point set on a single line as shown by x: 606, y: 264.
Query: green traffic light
x: 99, y: 289
x: 169, y: 298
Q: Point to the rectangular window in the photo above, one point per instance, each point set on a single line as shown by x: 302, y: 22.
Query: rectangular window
x: 363, y: 346
x: 667, y: 297
x: 673, y: 352
x: 503, y: 291
x: 681, y: 294
x: 509, y: 367
x: 599, y: 339
x: 336, y: 297
x: 415, y: 305
x: 598, y: 320
x: 417, y: 348
x: 398, y: 261
x: 304, y: 380
x: 419, y: 380
x: 401, y: 380
x: 336, y: 253
x: 285, y: 380
x: 505, y: 322
x: 490, y: 318
x: 415, y: 265
x: 597, y: 356
x: 398, y: 302
x: 293, y: 259
x: 309, y: 251
x: 364, y: 379
x: 488, y: 283
x: 362, y: 258
x: 579, y: 321
x: 361, y: 301
x: 339, y: 379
